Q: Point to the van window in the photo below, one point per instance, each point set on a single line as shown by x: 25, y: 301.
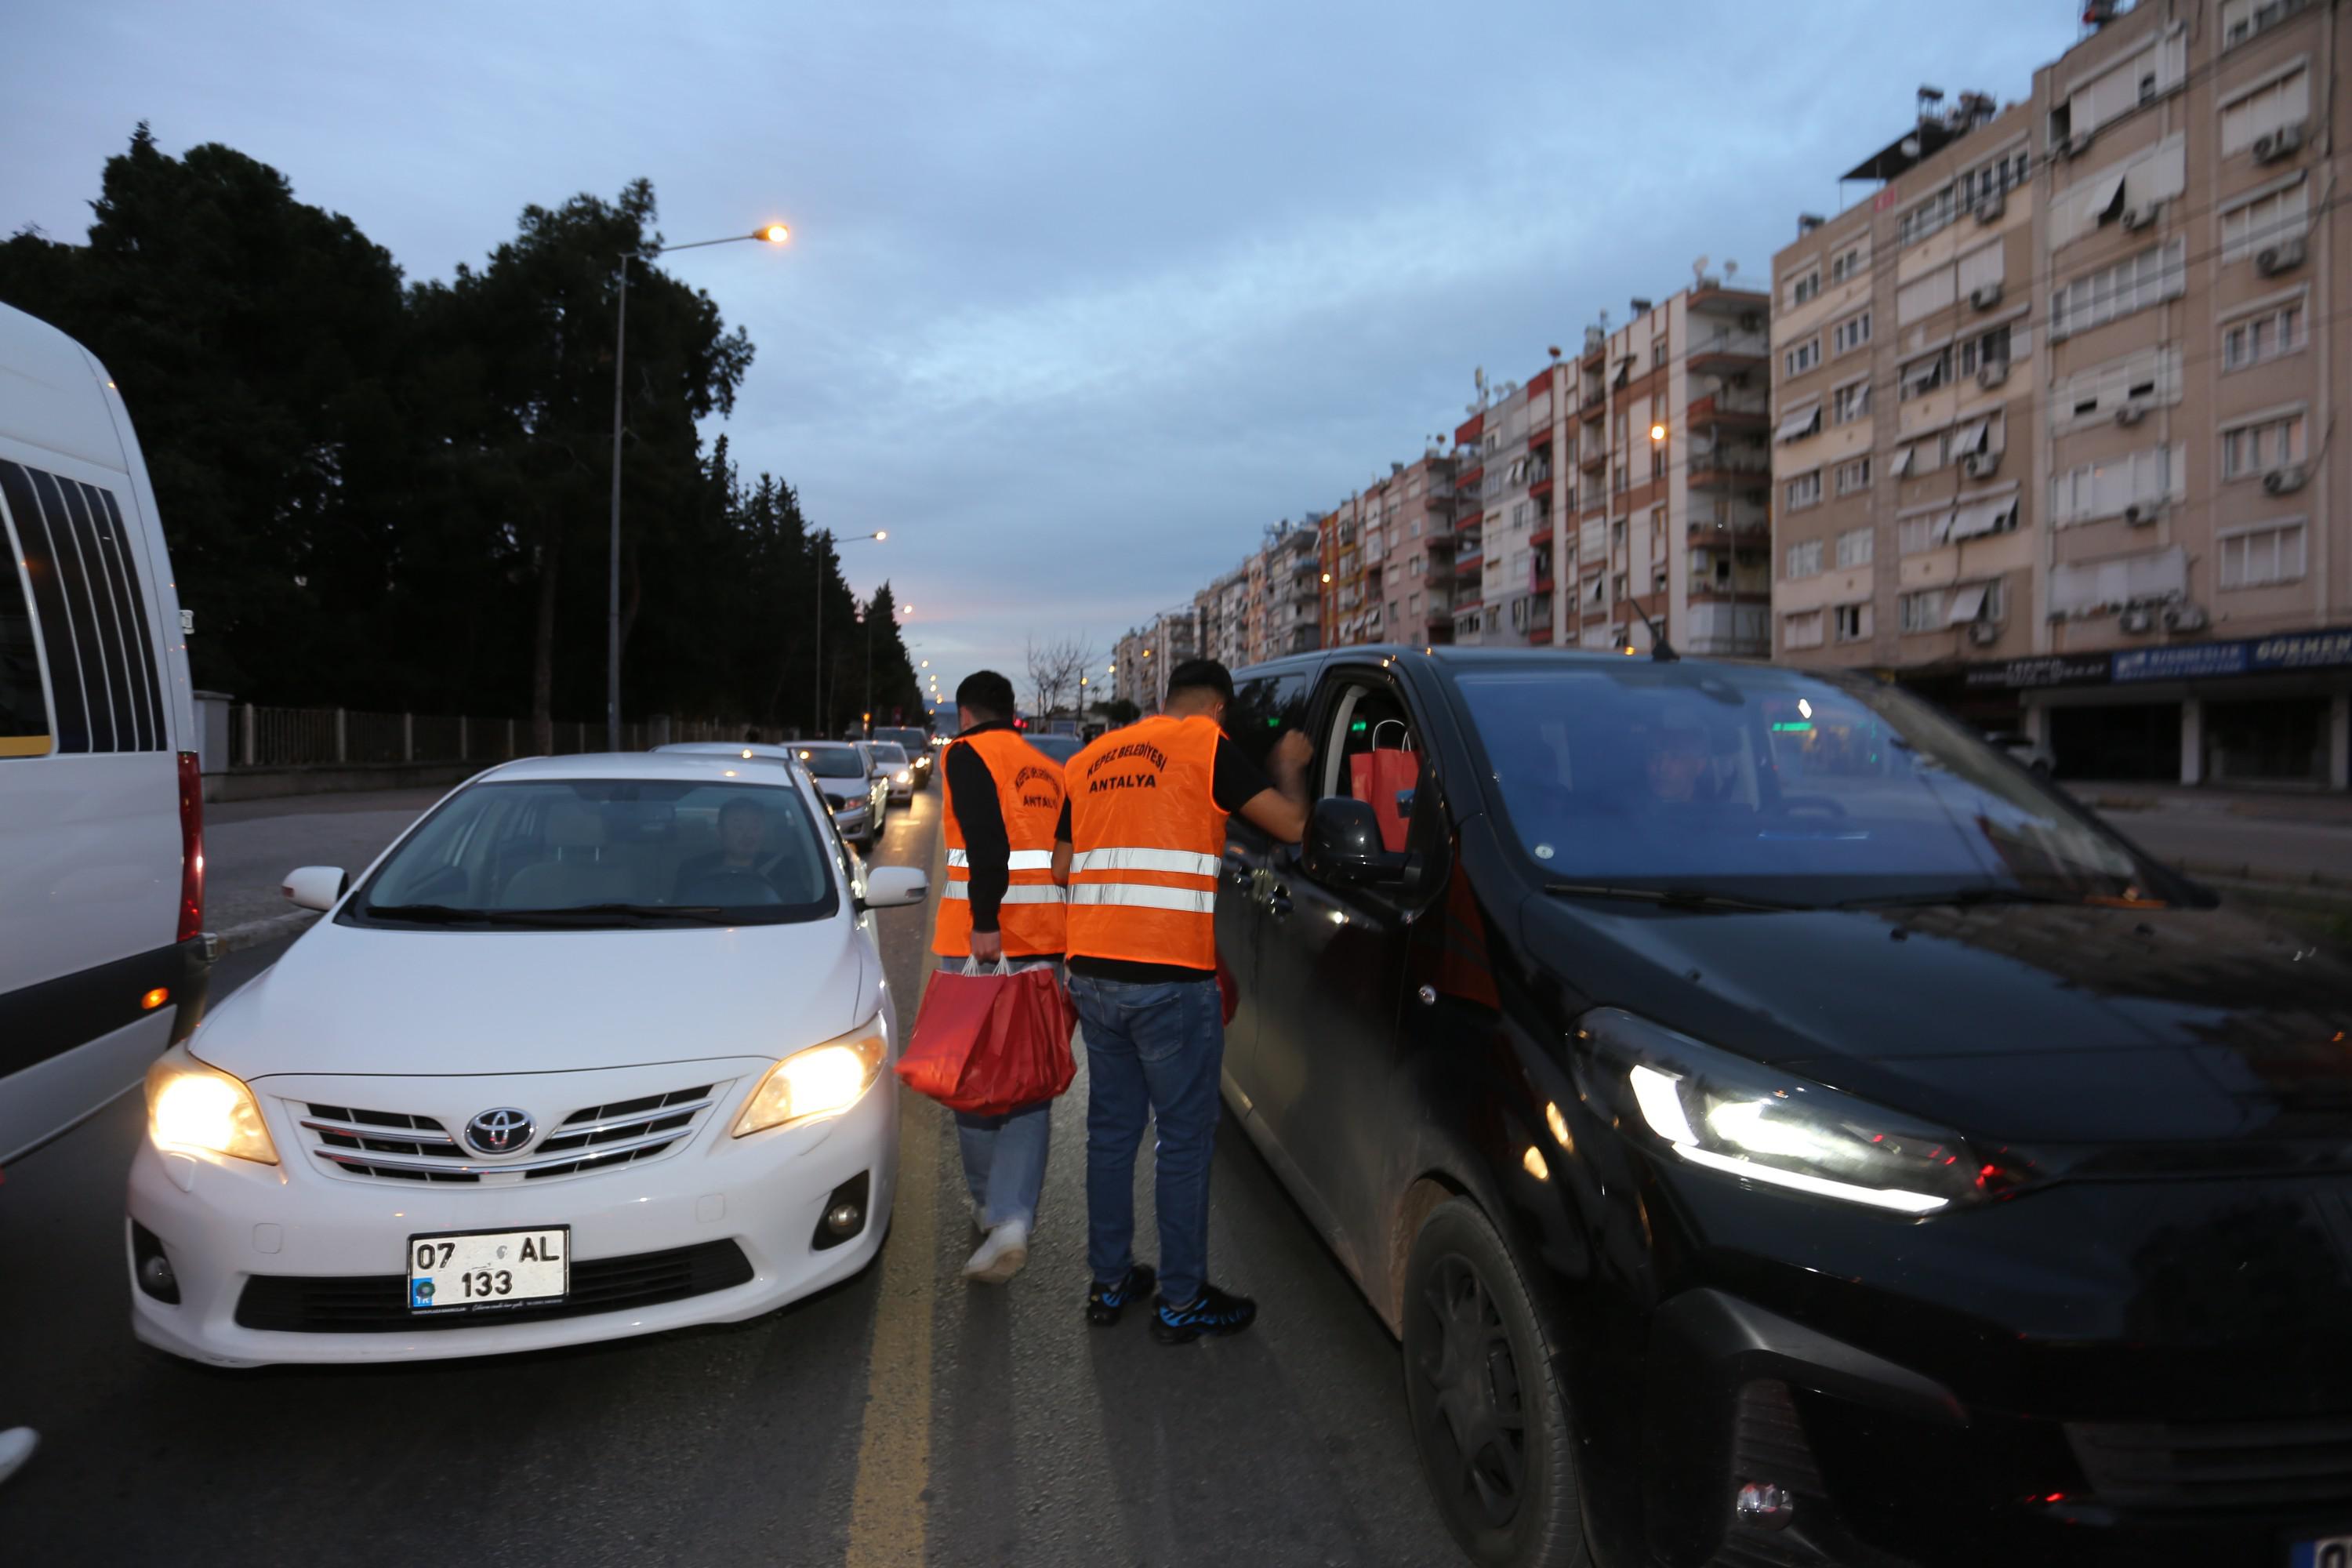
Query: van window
x: 93, y: 613
x: 24, y: 711
x: 1263, y: 707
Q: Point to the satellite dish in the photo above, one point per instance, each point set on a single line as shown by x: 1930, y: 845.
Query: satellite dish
x: 1699, y: 267
x: 1730, y: 270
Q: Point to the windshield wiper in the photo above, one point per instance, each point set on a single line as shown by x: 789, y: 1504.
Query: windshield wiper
x: 1962, y: 897
x: 1672, y: 898
x: 698, y: 915
x: 425, y: 914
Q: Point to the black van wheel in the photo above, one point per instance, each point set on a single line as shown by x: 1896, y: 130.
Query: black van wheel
x: 1489, y: 1416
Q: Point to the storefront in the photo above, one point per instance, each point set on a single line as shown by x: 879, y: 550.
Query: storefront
x: 2261, y: 712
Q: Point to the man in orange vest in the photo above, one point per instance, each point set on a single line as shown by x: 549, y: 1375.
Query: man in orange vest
x: 1000, y: 902
x: 1142, y: 843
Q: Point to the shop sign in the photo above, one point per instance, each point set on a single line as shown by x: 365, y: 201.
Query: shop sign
x: 2200, y: 661
x: 2304, y: 650
x: 2049, y: 670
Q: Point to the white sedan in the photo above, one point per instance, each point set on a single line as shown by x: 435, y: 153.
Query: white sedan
x: 593, y: 1050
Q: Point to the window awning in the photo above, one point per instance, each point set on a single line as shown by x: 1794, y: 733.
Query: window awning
x: 1969, y: 437
x: 2106, y: 203
x: 1925, y: 374
x: 1985, y: 517
x: 1902, y: 460
x: 1967, y: 603
x: 1802, y: 423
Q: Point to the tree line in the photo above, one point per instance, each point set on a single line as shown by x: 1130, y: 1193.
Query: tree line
x: 389, y: 495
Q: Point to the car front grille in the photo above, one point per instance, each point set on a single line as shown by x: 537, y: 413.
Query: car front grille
x: 2217, y: 1464
x: 378, y: 1303
x: 401, y: 1146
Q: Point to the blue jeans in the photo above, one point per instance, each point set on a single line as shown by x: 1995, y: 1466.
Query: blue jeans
x: 1152, y: 1051
x: 1004, y: 1156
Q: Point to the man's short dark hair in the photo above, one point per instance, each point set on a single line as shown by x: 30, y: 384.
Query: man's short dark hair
x: 988, y: 696
x: 1202, y: 675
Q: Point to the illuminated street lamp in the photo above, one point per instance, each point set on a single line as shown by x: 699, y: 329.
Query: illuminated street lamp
x: 816, y: 693
x: 770, y: 234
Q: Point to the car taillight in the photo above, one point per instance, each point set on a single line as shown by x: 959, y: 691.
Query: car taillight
x: 192, y: 848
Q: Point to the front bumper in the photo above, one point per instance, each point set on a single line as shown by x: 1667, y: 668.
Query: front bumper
x: 223, y: 1224
x: 2137, y: 1374
x: 854, y: 821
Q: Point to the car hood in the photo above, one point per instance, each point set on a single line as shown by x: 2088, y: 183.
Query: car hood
x: 2058, y: 1023
x: 352, y: 999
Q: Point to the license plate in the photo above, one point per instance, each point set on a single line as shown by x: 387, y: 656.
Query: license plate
x: 2330, y: 1551
x: 488, y: 1270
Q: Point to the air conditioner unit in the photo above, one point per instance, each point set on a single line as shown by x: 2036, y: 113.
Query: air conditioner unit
x: 2285, y: 481
x: 1985, y: 296
x: 2131, y: 413
x: 2186, y: 617
x: 2283, y: 142
x: 2139, y: 514
x: 1981, y: 465
x: 1984, y: 632
x: 1993, y: 373
x: 2136, y: 618
x: 2283, y: 257
x: 1990, y: 208
x: 2075, y: 146
x: 2141, y: 216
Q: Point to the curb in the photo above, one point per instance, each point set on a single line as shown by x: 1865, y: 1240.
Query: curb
x: 253, y: 933
x: 2250, y: 875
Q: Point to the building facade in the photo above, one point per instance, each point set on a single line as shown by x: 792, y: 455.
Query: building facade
x: 2051, y: 440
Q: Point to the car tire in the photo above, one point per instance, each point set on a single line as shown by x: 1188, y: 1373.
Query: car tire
x: 1488, y: 1412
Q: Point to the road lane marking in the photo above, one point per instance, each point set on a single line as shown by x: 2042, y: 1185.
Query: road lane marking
x: 889, y: 1515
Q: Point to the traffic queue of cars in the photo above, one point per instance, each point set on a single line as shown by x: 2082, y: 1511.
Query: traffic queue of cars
x: 1781, y: 1128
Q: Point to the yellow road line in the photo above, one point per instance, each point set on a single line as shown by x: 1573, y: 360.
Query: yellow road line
x: 888, y: 1516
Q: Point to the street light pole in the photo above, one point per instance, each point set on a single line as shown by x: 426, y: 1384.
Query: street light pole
x: 816, y: 689
x: 773, y: 234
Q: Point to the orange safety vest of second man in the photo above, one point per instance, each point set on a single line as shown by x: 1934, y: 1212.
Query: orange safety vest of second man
x: 1029, y: 788
x: 1147, y: 841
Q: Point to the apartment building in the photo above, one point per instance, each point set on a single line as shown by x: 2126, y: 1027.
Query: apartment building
x: 1387, y: 557
x: 1505, y: 542
x: 1223, y: 609
x: 2052, y: 437
x: 1291, y: 597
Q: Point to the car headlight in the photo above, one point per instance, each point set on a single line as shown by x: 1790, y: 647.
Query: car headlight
x: 903, y: 776
x: 192, y: 1106
x: 1725, y: 1113
x: 822, y: 1080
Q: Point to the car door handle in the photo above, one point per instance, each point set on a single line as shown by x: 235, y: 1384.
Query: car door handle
x: 1277, y: 901
x: 1239, y: 876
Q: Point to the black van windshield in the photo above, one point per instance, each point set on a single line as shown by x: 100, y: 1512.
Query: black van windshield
x: 833, y: 761
x: 1774, y: 784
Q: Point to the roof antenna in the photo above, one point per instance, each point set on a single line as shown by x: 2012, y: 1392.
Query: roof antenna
x: 1661, y: 650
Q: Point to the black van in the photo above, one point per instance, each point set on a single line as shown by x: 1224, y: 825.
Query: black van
x: 1782, y: 1129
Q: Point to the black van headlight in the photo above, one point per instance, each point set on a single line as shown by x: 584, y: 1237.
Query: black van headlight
x: 1724, y: 1113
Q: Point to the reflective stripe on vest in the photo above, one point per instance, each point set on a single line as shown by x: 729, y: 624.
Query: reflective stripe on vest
x: 1020, y: 860
x: 1147, y: 844
x: 1048, y: 894
x: 1029, y: 794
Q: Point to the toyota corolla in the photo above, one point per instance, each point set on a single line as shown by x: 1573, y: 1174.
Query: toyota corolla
x: 590, y: 1051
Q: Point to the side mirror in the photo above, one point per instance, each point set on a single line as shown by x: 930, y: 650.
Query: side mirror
x: 316, y: 887
x: 1343, y: 845
x: 892, y: 887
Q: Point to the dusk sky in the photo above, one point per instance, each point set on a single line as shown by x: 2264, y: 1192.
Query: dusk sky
x: 1081, y: 297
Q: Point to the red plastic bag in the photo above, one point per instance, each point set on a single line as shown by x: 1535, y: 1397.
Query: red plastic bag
x: 1387, y: 779
x: 989, y: 1043
x: 1229, y: 991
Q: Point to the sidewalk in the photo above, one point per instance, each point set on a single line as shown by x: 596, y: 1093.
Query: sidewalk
x: 2269, y: 838
x: 2330, y: 806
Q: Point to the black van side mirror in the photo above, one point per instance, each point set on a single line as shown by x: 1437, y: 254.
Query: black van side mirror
x: 1343, y: 845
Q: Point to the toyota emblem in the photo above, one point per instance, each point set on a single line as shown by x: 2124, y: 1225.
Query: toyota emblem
x: 499, y: 1132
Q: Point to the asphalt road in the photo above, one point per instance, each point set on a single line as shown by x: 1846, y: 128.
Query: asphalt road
x: 902, y: 1418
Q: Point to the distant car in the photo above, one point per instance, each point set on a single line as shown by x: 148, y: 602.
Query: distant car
x: 859, y: 801
x: 1061, y: 747
x: 2027, y: 751
x: 918, y: 744
x: 880, y: 773
x: 899, y: 769
x: 579, y: 1113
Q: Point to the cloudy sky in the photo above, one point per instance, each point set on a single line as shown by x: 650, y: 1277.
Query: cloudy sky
x: 1081, y: 297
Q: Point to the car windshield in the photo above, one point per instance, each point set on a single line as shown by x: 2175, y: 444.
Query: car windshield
x: 913, y: 740
x: 891, y: 752
x: 566, y: 854
x: 833, y: 761
x: 1061, y: 747
x: 1773, y: 785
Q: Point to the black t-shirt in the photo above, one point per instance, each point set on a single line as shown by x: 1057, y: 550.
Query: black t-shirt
x: 1234, y: 781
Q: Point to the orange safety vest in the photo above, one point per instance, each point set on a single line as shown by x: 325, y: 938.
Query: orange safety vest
x: 1147, y: 842
x: 1029, y: 794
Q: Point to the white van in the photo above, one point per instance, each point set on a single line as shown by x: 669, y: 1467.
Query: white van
x: 102, y: 833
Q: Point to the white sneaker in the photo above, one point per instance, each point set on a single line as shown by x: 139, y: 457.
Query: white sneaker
x: 1001, y: 1256
x: 17, y: 1443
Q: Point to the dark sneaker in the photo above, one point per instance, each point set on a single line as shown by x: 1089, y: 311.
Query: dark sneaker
x: 1105, y: 1302
x: 1215, y: 1313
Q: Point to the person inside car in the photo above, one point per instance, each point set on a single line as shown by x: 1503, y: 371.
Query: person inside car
x: 742, y: 835
x: 1677, y: 766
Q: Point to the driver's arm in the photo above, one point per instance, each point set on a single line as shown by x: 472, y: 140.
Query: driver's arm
x: 1277, y: 806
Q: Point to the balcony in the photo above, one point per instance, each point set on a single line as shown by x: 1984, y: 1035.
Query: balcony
x: 1727, y: 351
x: 1729, y: 468
x: 1729, y: 410
x: 1470, y: 562
x: 1540, y: 636
x: 1593, y: 406
x: 1724, y: 521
